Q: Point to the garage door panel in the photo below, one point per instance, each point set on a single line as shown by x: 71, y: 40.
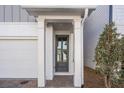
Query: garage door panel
x: 18, y: 58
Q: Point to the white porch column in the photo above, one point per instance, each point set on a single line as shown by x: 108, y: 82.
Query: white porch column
x: 49, y: 52
x: 77, y: 53
x: 41, y: 53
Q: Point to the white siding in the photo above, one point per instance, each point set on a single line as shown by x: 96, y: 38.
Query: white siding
x: 18, y: 50
x: 118, y: 17
x: 18, y: 29
x: 8, y: 13
x: 24, y: 15
x: 1, y: 13
x: 14, y: 13
x: 93, y: 27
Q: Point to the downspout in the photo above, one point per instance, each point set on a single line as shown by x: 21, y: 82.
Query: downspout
x: 85, y: 15
x: 110, y: 13
x: 82, y: 53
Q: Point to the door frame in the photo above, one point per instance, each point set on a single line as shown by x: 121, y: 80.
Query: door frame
x: 56, y: 36
x: 71, y: 64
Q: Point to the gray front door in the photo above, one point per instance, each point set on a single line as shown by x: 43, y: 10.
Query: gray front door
x: 62, y: 53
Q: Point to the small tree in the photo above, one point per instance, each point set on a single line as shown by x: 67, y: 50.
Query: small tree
x: 118, y: 78
x: 108, y: 54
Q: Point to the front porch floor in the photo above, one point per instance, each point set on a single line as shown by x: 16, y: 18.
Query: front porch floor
x: 60, y: 82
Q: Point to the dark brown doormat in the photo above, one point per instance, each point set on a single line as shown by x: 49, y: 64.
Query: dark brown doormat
x: 24, y: 82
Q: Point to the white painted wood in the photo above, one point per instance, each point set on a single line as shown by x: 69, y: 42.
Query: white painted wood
x: 49, y: 53
x: 41, y: 52
x: 1, y: 13
x: 18, y: 37
x: 18, y: 58
x: 77, y: 53
x: 63, y: 73
x: 16, y: 13
x: 18, y: 50
x: 24, y: 15
x: 8, y: 13
x: 71, y: 53
x: 60, y: 17
x: 18, y: 29
x: 59, y: 6
x: 31, y: 18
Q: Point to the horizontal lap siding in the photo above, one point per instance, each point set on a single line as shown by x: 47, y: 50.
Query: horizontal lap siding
x: 118, y: 17
x: 93, y: 27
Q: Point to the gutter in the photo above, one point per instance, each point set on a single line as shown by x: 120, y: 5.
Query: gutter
x: 82, y: 53
x: 110, y: 13
x: 85, y: 15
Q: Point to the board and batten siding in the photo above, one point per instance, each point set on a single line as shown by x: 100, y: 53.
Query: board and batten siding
x: 14, y: 13
x: 118, y: 17
x: 18, y: 50
x: 93, y: 27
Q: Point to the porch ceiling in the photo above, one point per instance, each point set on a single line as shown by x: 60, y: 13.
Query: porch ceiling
x: 57, y: 10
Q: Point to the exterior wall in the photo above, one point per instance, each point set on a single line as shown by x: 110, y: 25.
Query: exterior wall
x: 93, y: 27
x: 18, y: 46
x: 14, y: 13
x: 118, y: 17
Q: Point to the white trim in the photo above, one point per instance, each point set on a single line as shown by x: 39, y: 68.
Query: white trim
x: 59, y: 6
x: 49, y: 17
x: 18, y: 23
x: 49, y: 53
x: 70, y: 64
x: 41, y: 53
x: 18, y: 37
x: 77, y: 53
x: 63, y: 73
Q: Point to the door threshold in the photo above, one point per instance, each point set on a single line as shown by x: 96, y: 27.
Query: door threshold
x: 63, y: 73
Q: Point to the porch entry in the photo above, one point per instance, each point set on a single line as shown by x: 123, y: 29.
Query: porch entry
x: 62, y: 53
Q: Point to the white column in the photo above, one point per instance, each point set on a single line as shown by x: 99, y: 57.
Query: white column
x: 77, y: 53
x: 49, y: 52
x: 41, y: 53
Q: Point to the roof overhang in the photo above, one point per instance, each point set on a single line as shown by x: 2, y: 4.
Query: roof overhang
x: 57, y: 10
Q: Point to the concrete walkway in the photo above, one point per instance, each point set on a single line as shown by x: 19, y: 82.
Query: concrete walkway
x: 92, y: 80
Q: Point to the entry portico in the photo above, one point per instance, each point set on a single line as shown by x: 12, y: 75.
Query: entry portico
x: 62, y: 55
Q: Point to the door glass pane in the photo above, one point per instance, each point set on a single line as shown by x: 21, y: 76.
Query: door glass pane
x: 59, y: 45
x: 64, y: 44
x: 59, y: 54
x: 64, y: 56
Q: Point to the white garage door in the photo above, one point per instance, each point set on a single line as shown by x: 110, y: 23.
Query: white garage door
x: 18, y: 58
